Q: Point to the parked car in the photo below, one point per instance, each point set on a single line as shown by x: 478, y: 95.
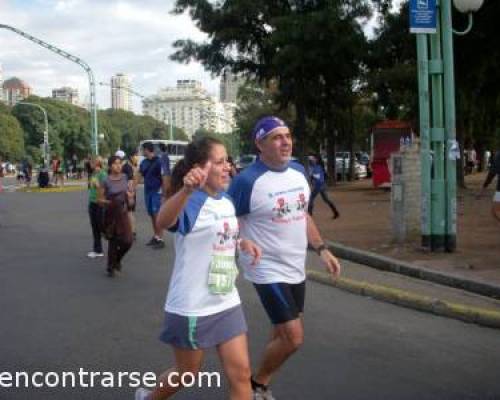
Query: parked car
x: 342, y: 164
x: 342, y: 169
x: 244, y: 161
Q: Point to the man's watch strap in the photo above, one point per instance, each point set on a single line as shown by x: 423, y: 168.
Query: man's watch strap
x: 320, y: 248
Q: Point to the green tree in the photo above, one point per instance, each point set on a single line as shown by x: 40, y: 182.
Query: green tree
x: 302, y: 45
x: 11, y: 137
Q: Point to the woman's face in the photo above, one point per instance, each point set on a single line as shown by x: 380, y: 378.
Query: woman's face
x: 218, y: 174
x: 116, y: 167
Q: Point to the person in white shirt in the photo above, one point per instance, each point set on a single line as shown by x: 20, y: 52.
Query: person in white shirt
x: 270, y: 198
x: 203, y: 308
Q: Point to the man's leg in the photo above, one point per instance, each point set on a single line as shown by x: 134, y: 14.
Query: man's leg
x: 286, y: 339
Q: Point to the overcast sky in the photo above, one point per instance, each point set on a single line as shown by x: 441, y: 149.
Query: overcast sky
x: 130, y: 36
x: 134, y: 37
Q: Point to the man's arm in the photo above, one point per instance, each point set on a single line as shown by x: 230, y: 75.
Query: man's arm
x: 331, y: 263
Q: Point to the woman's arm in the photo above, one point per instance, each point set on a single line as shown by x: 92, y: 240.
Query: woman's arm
x: 101, y: 195
x: 170, y: 209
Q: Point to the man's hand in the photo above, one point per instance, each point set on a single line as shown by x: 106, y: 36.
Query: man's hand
x: 331, y: 263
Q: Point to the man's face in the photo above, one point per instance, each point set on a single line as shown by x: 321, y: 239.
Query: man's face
x: 277, y: 146
x: 148, y: 153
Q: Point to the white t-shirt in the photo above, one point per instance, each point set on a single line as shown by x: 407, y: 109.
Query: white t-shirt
x: 206, y: 232
x: 272, y: 209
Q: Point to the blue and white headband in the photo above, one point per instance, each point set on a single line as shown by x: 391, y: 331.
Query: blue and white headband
x: 266, y: 126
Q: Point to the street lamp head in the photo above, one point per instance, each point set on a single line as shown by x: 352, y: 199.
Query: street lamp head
x: 468, y: 6
x: 101, y: 136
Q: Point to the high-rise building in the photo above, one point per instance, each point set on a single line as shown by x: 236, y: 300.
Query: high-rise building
x: 188, y: 106
x: 121, y: 97
x: 15, y: 90
x: 67, y: 94
x: 229, y: 86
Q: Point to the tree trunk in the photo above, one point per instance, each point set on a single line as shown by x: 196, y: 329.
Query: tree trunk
x: 331, y: 148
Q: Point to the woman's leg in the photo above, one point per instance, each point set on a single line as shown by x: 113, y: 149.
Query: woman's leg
x: 112, y: 254
x: 236, y: 363
x: 327, y: 200
x: 169, y: 382
x: 124, y: 245
x: 94, y: 213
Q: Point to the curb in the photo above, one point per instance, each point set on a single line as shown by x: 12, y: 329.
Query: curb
x: 71, y: 188
x: 403, y: 298
x: 402, y: 267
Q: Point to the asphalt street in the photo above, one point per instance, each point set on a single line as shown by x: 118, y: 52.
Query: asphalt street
x: 59, y: 312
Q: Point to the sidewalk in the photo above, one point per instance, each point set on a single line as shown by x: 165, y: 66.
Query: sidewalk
x: 365, y: 224
x: 364, y: 228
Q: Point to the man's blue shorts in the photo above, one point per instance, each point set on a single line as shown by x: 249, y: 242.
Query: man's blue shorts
x: 283, y: 302
x: 153, y: 202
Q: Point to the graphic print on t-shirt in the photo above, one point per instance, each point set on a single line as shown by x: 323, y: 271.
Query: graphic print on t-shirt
x: 289, y: 206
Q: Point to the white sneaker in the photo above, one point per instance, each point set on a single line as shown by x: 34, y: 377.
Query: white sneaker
x: 141, y: 394
x: 262, y: 394
x: 93, y: 254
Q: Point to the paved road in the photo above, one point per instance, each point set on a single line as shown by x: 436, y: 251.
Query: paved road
x: 59, y: 312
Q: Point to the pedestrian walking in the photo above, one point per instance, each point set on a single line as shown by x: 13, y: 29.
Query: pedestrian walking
x: 151, y: 170
x: 494, y: 171
x: 96, y: 211
x: 132, y: 179
x: 318, y: 182
x: 115, y: 195
x: 270, y: 198
x: 203, y: 308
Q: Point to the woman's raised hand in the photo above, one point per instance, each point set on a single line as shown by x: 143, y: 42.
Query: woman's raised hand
x: 196, y: 177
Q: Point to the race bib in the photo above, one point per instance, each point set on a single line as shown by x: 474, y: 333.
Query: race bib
x: 222, y: 274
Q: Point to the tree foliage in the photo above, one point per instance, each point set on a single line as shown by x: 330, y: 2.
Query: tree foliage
x: 69, y: 130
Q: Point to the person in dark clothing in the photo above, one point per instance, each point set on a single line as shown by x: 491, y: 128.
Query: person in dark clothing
x: 318, y: 183
x: 96, y: 211
x: 115, y: 194
x: 494, y: 170
x: 151, y: 170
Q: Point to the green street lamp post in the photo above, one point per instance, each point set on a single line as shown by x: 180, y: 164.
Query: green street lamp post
x: 46, y: 145
x: 81, y: 63
x: 439, y: 149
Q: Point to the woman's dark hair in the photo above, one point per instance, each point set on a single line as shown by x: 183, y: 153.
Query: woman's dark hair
x: 197, y: 152
x: 111, y: 160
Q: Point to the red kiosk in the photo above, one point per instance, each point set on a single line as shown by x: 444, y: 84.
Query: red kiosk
x: 386, y: 138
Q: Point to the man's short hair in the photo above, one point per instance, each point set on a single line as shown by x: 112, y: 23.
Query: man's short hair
x: 148, y: 146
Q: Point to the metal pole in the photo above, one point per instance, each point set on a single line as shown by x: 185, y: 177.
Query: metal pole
x: 80, y: 62
x: 438, y: 199
x: 450, y: 126
x: 425, y: 148
x: 46, y: 145
x: 170, y: 124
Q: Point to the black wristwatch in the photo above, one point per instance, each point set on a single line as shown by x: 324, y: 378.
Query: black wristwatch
x: 320, y: 248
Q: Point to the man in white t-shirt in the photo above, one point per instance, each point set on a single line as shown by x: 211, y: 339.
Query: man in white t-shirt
x: 270, y: 198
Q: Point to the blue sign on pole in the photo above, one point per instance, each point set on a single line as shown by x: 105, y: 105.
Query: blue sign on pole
x: 423, y: 16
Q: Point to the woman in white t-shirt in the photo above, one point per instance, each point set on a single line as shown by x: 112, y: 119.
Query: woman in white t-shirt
x: 203, y: 308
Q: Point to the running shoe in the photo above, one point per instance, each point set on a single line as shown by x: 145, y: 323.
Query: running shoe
x: 262, y: 394
x: 142, y: 394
